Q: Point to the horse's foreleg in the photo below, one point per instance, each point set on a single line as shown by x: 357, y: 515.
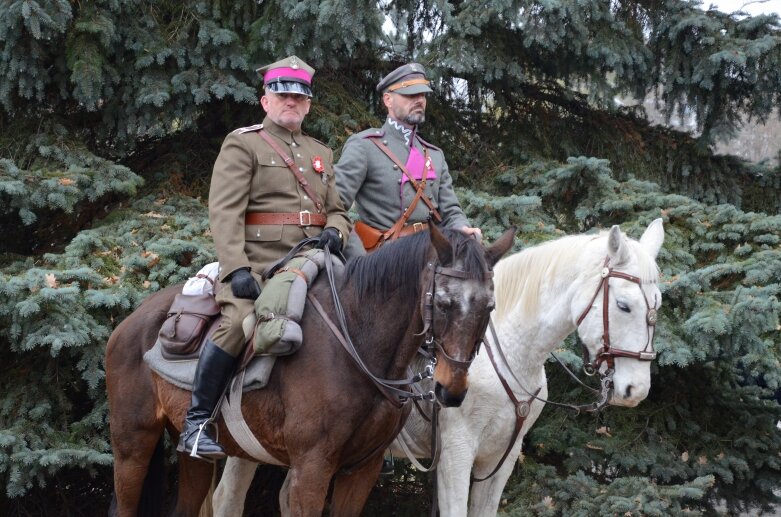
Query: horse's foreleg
x: 195, y: 478
x: 486, y: 495
x: 351, y: 490
x: 453, y: 473
x: 309, y: 480
x: 231, y: 493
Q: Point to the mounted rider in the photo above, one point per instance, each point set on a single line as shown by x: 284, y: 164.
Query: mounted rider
x: 271, y: 187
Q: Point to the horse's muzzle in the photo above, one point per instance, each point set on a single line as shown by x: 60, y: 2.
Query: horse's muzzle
x: 448, y: 399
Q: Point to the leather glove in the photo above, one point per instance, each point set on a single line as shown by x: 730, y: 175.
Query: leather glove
x: 243, y: 285
x: 330, y: 238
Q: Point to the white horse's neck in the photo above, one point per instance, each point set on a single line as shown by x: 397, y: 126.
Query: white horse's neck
x: 528, y: 339
x: 543, y: 295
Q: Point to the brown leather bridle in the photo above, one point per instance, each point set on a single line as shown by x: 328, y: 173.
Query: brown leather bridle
x: 428, y: 316
x: 608, y: 353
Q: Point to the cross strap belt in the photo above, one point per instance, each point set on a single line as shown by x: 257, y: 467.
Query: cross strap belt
x: 292, y: 166
x: 297, y: 218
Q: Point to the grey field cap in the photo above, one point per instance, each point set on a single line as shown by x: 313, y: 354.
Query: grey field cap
x: 409, y: 79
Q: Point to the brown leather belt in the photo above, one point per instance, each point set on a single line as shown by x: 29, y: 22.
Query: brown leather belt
x: 304, y: 218
x: 413, y: 228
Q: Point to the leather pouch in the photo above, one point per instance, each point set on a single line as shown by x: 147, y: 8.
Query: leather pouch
x: 370, y: 237
x: 189, y: 318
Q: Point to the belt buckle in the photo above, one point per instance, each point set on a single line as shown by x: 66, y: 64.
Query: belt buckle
x: 305, y: 221
x: 417, y: 227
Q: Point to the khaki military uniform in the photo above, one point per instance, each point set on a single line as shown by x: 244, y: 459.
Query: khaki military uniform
x: 367, y: 176
x: 249, y: 176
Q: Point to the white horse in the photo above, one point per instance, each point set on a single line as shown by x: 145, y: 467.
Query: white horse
x: 543, y: 294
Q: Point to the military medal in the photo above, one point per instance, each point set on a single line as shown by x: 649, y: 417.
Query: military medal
x: 317, y: 164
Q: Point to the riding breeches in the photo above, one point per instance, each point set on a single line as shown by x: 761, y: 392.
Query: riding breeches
x: 238, y: 319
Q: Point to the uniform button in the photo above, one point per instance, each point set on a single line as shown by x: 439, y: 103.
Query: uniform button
x: 385, y: 142
x: 399, y: 181
x: 306, y: 197
x: 300, y: 169
x: 294, y: 144
x: 298, y: 154
x: 395, y: 166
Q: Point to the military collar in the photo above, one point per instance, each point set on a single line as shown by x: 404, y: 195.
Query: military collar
x: 280, y: 132
x: 394, y: 127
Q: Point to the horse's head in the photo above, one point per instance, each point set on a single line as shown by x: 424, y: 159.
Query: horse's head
x: 457, y: 301
x: 617, y: 326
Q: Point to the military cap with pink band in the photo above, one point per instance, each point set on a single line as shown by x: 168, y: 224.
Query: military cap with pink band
x: 289, y: 75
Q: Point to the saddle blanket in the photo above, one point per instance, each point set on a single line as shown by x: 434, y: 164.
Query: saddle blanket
x: 181, y: 373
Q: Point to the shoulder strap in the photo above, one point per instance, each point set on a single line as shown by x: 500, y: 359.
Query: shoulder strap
x: 419, y: 186
x: 292, y: 166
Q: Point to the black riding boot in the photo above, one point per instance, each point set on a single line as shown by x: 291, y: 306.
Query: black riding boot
x: 214, y: 370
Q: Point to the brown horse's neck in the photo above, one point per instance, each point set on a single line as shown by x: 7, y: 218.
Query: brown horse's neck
x: 387, y: 343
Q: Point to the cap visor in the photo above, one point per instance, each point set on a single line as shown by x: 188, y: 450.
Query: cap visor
x: 289, y: 87
x: 414, y: 89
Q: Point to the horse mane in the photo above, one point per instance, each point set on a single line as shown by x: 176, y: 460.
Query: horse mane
x: 520, y: 277
x: 398, y: 265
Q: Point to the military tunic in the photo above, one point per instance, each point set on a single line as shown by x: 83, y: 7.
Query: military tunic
x: 367, y: 176
x: 249, y: 176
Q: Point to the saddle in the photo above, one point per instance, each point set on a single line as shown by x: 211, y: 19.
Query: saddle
x: 195, y: 315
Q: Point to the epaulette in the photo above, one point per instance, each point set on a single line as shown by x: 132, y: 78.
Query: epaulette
x: 427, y: 144
x: 374, y: 133
x: 248, y: 129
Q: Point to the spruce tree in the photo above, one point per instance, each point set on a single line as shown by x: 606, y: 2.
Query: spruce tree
x: 112, y: 112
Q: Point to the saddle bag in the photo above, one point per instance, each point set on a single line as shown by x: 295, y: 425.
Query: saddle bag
x: 189, y: 318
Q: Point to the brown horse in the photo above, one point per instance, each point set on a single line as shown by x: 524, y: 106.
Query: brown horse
x: 320, y: 414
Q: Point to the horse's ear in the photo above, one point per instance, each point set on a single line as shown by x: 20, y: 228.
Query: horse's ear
x: 501, y: 246
x: 616, y: 246
x: 441, y: 244
x: 653, y: 237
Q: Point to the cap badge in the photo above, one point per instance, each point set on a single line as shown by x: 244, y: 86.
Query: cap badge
x: 317, y: 164
x: 294, y: 63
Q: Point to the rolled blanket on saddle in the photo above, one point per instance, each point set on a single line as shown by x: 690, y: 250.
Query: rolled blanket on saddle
x: 281, y: 304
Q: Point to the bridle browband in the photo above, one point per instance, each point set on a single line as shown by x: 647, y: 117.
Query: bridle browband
x: 608, y: 353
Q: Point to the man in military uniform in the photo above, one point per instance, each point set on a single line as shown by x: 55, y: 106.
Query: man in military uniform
x: 271, y: 187
x: 398, y: 181
x: 382, y: 169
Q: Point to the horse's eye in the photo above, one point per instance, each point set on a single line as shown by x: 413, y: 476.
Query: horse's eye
x: 623, y: 306
x: 490, y: 306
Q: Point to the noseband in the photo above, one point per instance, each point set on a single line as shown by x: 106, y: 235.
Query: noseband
x: 428, y: 316
x: 608, y: 353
